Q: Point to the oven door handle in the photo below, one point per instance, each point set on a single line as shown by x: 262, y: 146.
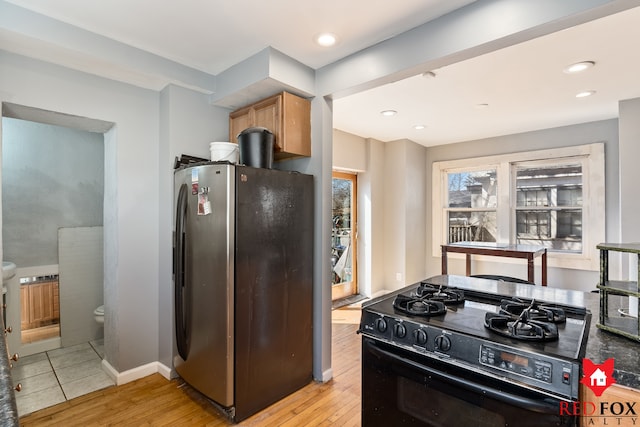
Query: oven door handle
x: 533, y: 405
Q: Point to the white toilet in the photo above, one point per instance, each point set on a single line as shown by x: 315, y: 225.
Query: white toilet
x: 98, y: 314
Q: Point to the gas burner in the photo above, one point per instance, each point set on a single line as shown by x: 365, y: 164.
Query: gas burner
x: 532, y: 311
x: 525, y: 321
x: 443, y: 294
x: 520, y: 328
x: 417, y: 306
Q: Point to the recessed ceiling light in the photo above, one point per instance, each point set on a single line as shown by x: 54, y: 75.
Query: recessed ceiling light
x: 389, y: 113
x: 419, y: 127
x: 482, y: 106
x: 326, y: 39
x: 429, y: 75
x: 585, y: 93
x: 579, y: 66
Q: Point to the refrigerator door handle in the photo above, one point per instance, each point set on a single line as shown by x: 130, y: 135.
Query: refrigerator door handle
x: 182, y: 301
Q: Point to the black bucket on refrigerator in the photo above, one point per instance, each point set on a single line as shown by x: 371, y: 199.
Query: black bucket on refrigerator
x: 256, y: 147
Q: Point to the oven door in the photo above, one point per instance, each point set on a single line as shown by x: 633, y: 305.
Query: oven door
x: 404, y: 388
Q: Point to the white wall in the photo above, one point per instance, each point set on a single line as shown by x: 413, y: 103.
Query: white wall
x: 349, y: 152
x: 81, y: 290
x: 371, y: 203
x: 391, y: 209
x: 395, y: 165
x: 416, y: 210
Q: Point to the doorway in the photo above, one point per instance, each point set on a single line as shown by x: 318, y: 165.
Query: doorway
x: 52, y: 204
x: 344, y: 235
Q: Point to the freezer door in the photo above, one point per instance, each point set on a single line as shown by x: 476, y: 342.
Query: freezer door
x: 274, y: 280
x: 203, y: 279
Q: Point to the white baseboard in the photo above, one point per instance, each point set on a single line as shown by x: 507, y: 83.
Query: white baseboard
x: 136, y: 373
x: 165, y: 371
x: 327, y: 375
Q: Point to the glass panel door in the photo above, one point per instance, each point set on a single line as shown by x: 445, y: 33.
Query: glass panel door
x: 344, y: 235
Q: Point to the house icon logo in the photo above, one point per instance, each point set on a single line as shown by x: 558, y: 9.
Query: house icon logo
x: 597, y: 377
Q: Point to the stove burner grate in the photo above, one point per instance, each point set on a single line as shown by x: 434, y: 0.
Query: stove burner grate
x: 525, y: 321
x: 449, y: 296
x: 532, y: 311
x: 521, y: 329
x: 417, y: 306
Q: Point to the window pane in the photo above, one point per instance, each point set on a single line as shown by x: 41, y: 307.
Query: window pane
x: 533, y: 224
x: 341, y: 250
x: 549, y: 185
x: 472, y: 189
x: 478, y: 226
x: 571, y: 196
x: 546, y: 191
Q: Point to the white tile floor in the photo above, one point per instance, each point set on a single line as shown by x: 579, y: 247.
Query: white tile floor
x: 54, y: 376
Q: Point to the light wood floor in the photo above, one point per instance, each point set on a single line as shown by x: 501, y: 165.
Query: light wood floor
x: 155, y: 401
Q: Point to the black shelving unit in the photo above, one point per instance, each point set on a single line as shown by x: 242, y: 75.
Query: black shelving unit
x: 621, y: 290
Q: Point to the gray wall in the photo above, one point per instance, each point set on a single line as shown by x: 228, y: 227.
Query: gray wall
x: 131, y: 253
x: 629, y: 174
x: 188, y: 123
x: 405, y: 193
x: 52, y: 177
x: 603, y: 131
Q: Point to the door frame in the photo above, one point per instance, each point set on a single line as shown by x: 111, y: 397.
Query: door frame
x: 346, y: 289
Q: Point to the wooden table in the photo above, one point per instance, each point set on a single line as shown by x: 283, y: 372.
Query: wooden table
x: 528, y: 252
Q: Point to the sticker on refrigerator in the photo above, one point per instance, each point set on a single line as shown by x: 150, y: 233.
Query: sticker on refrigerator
x: 204, y: 205
x: 194, y: 182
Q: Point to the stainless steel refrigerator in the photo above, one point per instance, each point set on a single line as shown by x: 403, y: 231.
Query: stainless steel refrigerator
x: 243, y: 265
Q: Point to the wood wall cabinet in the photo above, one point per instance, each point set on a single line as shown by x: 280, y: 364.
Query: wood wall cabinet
x: 287, y: 116
x: 39, y: 304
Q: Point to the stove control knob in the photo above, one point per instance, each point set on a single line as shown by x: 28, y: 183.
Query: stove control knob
x: 399, y: 330
x: 443, y: 343
x: 421, y: 337
x: 381, y: 325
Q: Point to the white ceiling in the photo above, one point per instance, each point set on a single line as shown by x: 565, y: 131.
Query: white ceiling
x: 523, y: 85
x: 212, y: 35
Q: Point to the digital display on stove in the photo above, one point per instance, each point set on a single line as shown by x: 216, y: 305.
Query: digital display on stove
x: 516, y: 363
x: 514, y: 358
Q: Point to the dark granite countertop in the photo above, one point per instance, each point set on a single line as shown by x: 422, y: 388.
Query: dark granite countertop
x: 601, y: 345
x: 8, y: 410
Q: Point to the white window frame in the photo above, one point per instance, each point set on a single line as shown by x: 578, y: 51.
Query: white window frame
x: 593, y: 189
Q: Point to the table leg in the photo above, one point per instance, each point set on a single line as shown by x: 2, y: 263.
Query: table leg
x: 468, y: 264
x: 544, y: 268
x: 530, y: 269
x: 444, y: 261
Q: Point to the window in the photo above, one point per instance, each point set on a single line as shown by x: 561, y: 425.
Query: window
x: 552, y: 198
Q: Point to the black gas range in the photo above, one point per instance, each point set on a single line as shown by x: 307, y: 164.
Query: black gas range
x: 452, y: 350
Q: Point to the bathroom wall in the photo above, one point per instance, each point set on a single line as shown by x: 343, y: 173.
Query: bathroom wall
x: 52, y: 177
x: 81, y: 276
